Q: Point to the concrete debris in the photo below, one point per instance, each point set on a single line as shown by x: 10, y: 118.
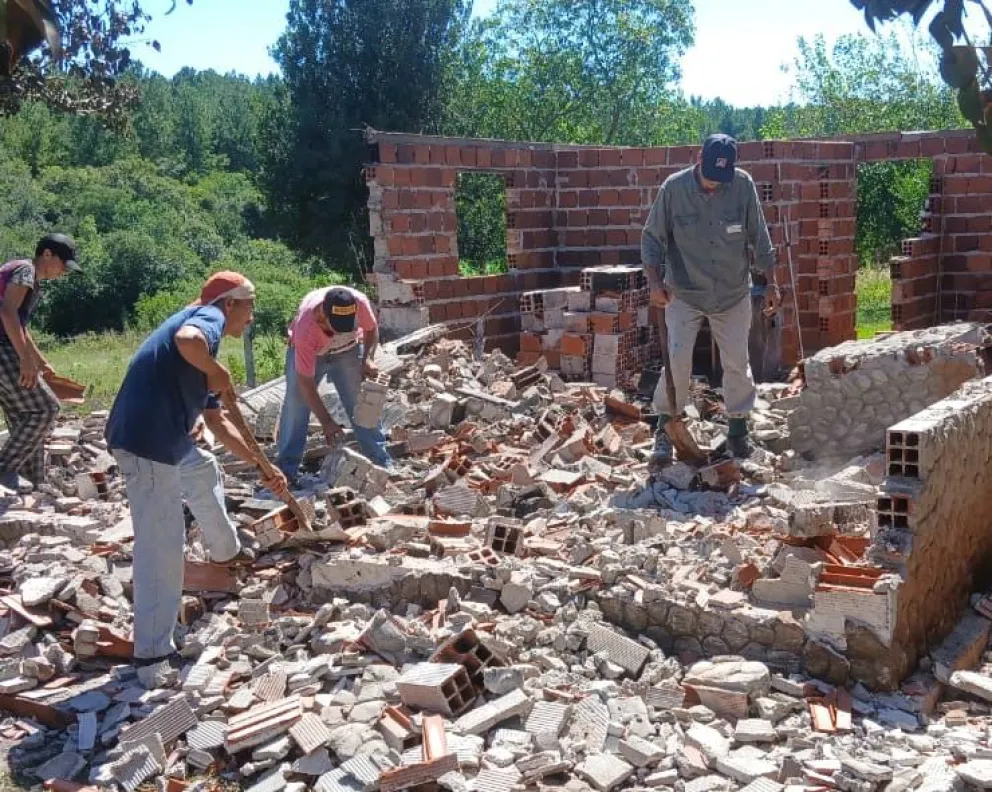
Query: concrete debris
x: 518, y: 604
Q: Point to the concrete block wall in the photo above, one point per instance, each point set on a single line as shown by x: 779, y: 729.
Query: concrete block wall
x: 856, y: 390
x: 934, y: 528
x: 572, y: 207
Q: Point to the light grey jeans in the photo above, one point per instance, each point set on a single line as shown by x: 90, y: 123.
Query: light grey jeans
x: 730, y: 330
x: 155, y: 493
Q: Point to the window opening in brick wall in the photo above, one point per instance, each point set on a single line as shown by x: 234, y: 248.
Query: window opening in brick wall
x: 891, y: 201
x: 480, y: 203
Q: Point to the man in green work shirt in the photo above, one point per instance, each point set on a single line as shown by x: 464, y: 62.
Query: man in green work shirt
x: 695, y: 252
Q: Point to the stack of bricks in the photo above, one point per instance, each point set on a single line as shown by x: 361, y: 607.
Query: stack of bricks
x: 607, y: 337
x: 542, y: 321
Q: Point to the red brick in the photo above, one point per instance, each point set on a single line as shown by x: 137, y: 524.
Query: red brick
x: 530, y: 342
x: 387, y: 152
x: 435, y: 269
x: 877, y: 150
x: 656, y: 156
x: 764, y: 171
x: 978, y: 263
x: 621, y: 177
x: 593, y: 178
x: 620, y: 217
x: 588, y: 198
x: 964, y: 243
x: 588, y: 158
x: 649, y: 177
x: 957, y: 144
x: 682, y: 155
x: 438, y: 312
x: 417, y: 223
x: 632, y: 157
x: 576, y: 345
x: 609, y: 197
x: 599, y: 217
x: 749, y: 151
x: 610, y: 157
x: 413, y: 269
x: 907, y: 149
x: 576, y: 178
x: 630, y: 197
x: 445, y: 290
x: 543, y: 158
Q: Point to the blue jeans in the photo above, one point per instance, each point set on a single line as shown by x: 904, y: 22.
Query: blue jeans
x: 344, y: 370
x: 155, y: 493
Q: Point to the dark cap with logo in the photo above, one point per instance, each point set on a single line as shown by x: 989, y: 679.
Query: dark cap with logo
x: 719, y: 158
x: 341, y: 310
x: 62, y: 246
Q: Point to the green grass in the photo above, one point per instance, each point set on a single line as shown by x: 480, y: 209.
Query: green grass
x: 472, y: 269
x: 100, y: 360
x: 874, y: 301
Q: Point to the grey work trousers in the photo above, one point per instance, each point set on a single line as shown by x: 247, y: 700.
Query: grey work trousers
x: 730, y: 330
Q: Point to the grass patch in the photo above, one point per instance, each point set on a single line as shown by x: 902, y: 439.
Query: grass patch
x: 99, y: 360
x: 874, y: 287
x: 473, y: 269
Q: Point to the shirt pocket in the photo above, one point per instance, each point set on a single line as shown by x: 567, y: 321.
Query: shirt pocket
x: 733, y: 226
x: 685, y: 227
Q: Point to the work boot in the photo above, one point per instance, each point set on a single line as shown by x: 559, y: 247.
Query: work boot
x: 738, y: 442
x: 663, y: 454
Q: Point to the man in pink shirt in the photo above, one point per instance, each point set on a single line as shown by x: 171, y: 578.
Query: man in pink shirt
x: 334, y: 335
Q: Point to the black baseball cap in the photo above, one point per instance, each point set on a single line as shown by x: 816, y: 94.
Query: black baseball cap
x: 62, y: 246
x: 719, y: 158
x: 341, y: 310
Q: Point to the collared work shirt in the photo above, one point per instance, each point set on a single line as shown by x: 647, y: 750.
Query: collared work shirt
x: 696, y: 243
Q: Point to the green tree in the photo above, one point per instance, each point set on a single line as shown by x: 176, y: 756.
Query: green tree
x: 584, y: 71
x: 864, y: 84
x: 347, y: 65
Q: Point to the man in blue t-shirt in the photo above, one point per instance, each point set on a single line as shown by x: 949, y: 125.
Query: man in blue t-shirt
x: 172, y: 380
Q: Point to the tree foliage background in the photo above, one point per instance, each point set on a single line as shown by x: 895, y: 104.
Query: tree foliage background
x: 210, y: 171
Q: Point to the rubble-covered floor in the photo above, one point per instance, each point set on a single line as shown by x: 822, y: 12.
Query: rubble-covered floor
x: 452, y: 623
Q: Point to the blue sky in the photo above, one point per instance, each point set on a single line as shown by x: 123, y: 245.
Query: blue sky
x: 739, y: 50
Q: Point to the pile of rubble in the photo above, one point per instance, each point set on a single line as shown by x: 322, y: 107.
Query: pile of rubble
x: 514, y: 605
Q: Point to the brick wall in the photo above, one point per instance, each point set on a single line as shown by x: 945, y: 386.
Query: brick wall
x: 571, y: 207
x: 946, y: 273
